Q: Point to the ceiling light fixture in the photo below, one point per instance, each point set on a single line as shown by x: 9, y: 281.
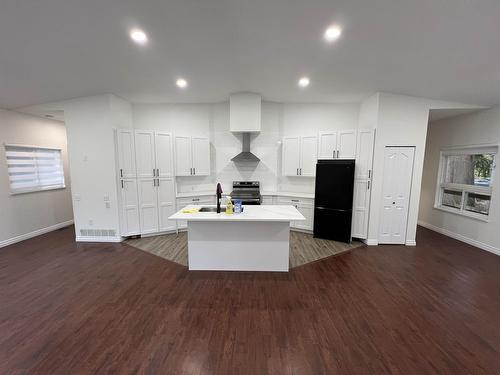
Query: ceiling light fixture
x: 138, y: 36
x: 304, y: 82
x: 332, y: 33
x: 181, y: 82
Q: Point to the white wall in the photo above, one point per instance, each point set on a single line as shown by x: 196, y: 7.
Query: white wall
x: 89, y: 123
x: 32, y: 212
x: 401, y: 121
x: 473, y: 129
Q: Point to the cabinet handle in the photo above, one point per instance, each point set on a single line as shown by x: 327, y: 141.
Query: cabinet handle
x: 337, y: 154
x: 334, y: 154
x: 122, y: 184
x: 369, y: 173
x: 368, y: 186
x: 191, y: 171
x: 121, y: 172
x: 297, y: 171
x: 194, y: 170
x: 195, y: 199
x: 158, y: 182
x: 295, y: 200
x: 157, y: 172
x: 301, y: 171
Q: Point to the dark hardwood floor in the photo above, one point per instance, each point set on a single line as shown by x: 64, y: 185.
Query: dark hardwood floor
x: 68, y: 308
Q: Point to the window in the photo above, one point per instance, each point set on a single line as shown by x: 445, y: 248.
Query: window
x: 34, y: 168
x: 465, y: 181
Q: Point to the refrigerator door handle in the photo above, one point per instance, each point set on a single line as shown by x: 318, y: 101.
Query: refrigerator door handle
x: 332, y: 209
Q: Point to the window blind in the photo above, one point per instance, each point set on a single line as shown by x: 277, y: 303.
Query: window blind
x: 34, y: 168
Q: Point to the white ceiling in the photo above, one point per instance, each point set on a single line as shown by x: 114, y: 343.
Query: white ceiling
x: 52, y: 50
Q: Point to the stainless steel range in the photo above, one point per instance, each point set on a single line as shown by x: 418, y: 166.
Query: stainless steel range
x: 246, y: 191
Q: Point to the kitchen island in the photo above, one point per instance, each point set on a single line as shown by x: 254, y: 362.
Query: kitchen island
x: 258, y: 239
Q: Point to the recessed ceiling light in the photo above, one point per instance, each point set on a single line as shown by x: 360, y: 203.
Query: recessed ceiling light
x: 304, y: 82
x: 181, y: 82
x: 332, y: 33
x: 138, y: 36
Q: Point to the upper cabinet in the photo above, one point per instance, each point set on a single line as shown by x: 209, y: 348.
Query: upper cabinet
x: 192, y: 156
x: 153, y: 154
x: 126, y: 153
x: 337, y: 145
x: 364, y: 154
x: 145, y: 153
x: 327, y: 145
x: 299, y: 156
x: 346, y: 144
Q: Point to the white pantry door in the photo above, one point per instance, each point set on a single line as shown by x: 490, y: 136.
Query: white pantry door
x: 398, y: 171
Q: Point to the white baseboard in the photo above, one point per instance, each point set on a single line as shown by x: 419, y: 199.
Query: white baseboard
x: 411, y: 243
x: 470, y: 241
x: 35, y: 233
x: 371, y: 242
x: 98, y: 239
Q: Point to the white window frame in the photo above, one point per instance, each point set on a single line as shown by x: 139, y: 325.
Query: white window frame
x: 40, y: 187
x: 463, y: 188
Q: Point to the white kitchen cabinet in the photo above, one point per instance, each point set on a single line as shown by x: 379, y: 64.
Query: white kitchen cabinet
x: 183, y: 164
x: 126, y: 153
x: 362, y: 183
x: 203, y: 200
x: 299, y: 155
x: 346, y: 144
x: 164, y: 155
x: 308, y: 156
x: 166, y: 203
x: 337, y: 145
x: 130, y: 224
x: 201, y: 156
x: 360, y: 208
x: 148, y: 205
x: 267, y: 200
x: 364, y: 153
x: 291, y: 156
x: 152, y: 185
x: 327, y: 145
x: 192, y: 156
x: 305, y: 206
x: 145, y: 153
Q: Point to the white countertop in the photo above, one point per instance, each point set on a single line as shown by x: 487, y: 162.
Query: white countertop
x: 250, y: 213
x: 288, y: 194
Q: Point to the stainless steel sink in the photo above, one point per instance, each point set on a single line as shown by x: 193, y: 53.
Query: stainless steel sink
x: 212, y: 209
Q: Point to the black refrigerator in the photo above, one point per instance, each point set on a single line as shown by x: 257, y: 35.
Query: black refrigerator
x: 333, y: 199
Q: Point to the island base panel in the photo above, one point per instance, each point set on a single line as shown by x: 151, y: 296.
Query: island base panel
x: 238, y: 246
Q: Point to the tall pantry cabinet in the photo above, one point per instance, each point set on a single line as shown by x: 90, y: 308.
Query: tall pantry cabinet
x: 152, y: 178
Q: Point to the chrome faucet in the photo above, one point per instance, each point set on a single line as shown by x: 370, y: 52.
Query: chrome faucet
x: 219, y: 196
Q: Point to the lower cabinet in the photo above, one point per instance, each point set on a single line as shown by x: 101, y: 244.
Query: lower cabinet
x: 130, y: 224
x: 268, y: 200
x: 305, y: 206
x: 156, y: 204
x: 202, y: 200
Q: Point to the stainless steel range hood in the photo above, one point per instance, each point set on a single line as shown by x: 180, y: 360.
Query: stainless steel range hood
x: 245, y: 155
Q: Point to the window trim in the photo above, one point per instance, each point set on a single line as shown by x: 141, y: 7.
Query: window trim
x: 38, y: 189
x: 463, y: 188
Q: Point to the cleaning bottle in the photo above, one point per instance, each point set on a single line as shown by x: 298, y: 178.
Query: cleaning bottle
x: 229, y: 206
